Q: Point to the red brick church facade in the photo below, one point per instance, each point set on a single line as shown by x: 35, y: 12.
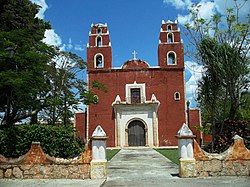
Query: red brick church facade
x: 144, y: 105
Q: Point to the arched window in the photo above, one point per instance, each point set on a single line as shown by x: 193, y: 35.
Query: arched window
x: 99, y: 31
x: 170, y: 38
x: 177, y: 96
x: 98, y: 41
x: 171, y: 58
x: 99, y: 60
x: 169, y: 27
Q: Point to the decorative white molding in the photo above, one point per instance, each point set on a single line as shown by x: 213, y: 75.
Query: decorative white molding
x: 185, y: 131
x: 96, y: 40
x: 99, y: 132
x: 135, y: 85
x: 98, y: 164
x: 100, y: 25
x: 102, y: 60
x: 237, y: 137
x: 170, y: 33
x: 153, y: 98
x: 177, y: 98
x: 146, y: 113
x: 117, y: 100
x: 175, y: 58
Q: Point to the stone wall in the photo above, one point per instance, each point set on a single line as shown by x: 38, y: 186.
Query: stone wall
x: 233, y: 162
x: 37, y: 165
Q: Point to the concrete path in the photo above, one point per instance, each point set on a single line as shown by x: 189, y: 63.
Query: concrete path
x: 146, y: 167
x: 51, y: 183
x: 142, y: 167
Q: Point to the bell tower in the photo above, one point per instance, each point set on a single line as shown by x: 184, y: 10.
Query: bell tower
x: 170, y: 48
x: 99, y: 51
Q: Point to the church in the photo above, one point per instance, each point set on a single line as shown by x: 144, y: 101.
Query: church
x: 145, y: 105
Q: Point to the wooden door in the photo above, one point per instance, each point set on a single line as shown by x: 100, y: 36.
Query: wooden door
x: 136, y: 134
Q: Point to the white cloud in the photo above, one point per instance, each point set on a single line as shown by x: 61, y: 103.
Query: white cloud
x: 69, y: 45
x: 191, y: 84
x: 179, y: 4
x: 79, y: 47
x: 43, y: 8
x: 183, y: 19
x: 52, y: 38
x: 206, y: 10
x: 223, y: 5
x: 209, y: 8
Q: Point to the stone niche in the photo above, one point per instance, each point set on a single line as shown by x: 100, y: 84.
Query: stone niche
x: 99, y: 162
x: 185, y: 151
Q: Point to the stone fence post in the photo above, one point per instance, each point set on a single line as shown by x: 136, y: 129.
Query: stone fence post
x: 186, y: 152
x: 98, y: 164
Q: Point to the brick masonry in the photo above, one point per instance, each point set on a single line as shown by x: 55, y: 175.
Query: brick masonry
x: 162, y: 81
x: 233, y: 162
x: 80, y: 124
x: 37, y: 165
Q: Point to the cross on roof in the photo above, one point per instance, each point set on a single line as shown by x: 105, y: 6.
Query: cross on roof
x: 134, y: 53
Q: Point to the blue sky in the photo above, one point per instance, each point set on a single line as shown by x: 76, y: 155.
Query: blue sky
x: 133, y: 25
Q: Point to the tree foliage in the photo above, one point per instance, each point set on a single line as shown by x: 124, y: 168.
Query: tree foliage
x: 23, y: 59
x: 58, y: 141
x: 37, y: 81
x: 64, y: 85
x: 221, y: 45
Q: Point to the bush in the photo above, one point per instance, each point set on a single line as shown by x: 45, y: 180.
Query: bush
x: 58, y: 141
x: 225, y: 135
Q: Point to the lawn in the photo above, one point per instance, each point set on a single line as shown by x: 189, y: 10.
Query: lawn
x: 111, y: 153
x: 171, y: 154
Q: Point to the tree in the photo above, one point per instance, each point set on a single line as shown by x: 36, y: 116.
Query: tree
x: 23, y: 60
x: 36, y: 80
x: 222, y: 45
x: 64, y: 87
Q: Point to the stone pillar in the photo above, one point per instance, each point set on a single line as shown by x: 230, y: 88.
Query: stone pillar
x: 155, y: 106
x: 186, y: 152
x: 118, y: 138
x: 98, y: 165
x: 155, y: 129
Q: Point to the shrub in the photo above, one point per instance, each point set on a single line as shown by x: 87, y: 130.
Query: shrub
x: 225, y: 133
x: 58, y: 141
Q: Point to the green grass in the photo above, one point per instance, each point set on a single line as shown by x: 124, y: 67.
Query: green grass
x: 171, y: 154
x: 111, y: 153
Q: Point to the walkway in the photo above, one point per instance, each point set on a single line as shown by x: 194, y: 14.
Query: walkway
x: 142, y: 167
x: 146, y: 167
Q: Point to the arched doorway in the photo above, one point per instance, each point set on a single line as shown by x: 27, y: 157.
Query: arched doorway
x: 136, y: 133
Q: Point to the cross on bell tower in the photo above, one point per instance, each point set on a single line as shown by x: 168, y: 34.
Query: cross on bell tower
x: 134, y: 53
